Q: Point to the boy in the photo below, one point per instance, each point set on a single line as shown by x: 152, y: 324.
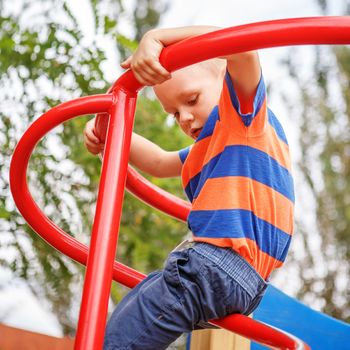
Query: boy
x: 237, y: 176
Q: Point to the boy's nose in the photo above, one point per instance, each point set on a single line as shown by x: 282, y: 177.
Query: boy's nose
x: 186, y: 116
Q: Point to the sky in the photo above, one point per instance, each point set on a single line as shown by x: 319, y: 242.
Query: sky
x: 18, y: 307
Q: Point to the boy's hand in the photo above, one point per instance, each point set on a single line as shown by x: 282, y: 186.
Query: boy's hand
x: 93, y: 144
x: 145, y: 61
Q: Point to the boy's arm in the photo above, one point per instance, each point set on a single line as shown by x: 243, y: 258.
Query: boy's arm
x: 145, y: 61
x: 152, y: 159
x: 244, y: 68
x: 144, y: 154
x: 245, y: 71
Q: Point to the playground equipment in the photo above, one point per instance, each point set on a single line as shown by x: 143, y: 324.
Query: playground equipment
x: 116, y: 113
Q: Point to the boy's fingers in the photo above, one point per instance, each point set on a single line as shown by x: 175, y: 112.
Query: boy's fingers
x: 152, y: 66
x: 93, y: 148
x: 126, y: 64
x: 89, y: 144
x: 92, y: 137
x: 159, y: 69
x: 91, y: 141
x: 89, y: 132
x: 145, y: 78
x: 148, y: 75
x: 149, y: 80
x: 156, y: 71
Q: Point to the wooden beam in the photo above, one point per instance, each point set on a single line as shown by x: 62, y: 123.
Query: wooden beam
x: 218, y: 339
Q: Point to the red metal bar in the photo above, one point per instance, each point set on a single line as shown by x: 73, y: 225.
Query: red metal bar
x: 328, y: 30
x: 156, y: 197
x: 105, y: 229
x: 261, y: 333
x: 145, y: 190
x: 285, y: 32
x: 25, y: 202
x: 19, y: 164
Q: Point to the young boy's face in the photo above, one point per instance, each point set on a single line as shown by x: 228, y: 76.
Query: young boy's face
x: 190, y: 95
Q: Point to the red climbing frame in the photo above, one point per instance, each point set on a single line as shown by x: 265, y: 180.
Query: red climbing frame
x: 116, y: 113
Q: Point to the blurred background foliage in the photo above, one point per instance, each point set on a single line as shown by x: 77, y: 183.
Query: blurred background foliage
x: 322, y: 115
x: 45, y: 60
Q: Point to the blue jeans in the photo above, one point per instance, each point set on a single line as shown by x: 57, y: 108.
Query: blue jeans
x: 197, y: 284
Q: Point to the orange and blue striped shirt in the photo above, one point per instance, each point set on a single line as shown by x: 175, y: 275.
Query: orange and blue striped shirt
x: 237, y: 175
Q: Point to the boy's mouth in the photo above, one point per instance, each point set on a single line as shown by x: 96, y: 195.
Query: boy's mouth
x: 195, y: 132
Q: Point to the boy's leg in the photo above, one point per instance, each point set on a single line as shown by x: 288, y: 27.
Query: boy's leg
x: 152, y: 315
x: 197, y: 284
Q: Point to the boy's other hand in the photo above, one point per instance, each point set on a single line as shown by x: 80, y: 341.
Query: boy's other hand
x: 93, y: 144
x: 145, y: 61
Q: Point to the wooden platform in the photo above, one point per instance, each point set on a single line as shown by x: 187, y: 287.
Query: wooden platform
x: 218, y: 339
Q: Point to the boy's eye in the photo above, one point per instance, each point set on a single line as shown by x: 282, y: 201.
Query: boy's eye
x: 192, y: 100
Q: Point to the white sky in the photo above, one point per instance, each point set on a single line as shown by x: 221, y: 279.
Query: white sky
x: 26, y: 311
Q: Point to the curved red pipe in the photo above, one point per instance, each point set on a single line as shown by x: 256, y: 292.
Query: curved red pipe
x: 54, y: 235
x: 284, y: 32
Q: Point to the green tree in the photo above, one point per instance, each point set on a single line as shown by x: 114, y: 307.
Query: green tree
x: 324, y: 125
x: 45, y: 60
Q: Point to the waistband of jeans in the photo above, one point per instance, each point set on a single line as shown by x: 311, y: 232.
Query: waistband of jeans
x: 234, y: 265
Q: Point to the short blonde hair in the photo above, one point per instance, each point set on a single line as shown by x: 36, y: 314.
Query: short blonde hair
x: 215, y: 65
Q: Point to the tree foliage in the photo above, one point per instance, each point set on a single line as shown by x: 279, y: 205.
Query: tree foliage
x: 45, y: 60
x: 324, y: 125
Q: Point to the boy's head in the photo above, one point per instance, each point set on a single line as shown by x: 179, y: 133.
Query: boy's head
x: 191, y: 94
